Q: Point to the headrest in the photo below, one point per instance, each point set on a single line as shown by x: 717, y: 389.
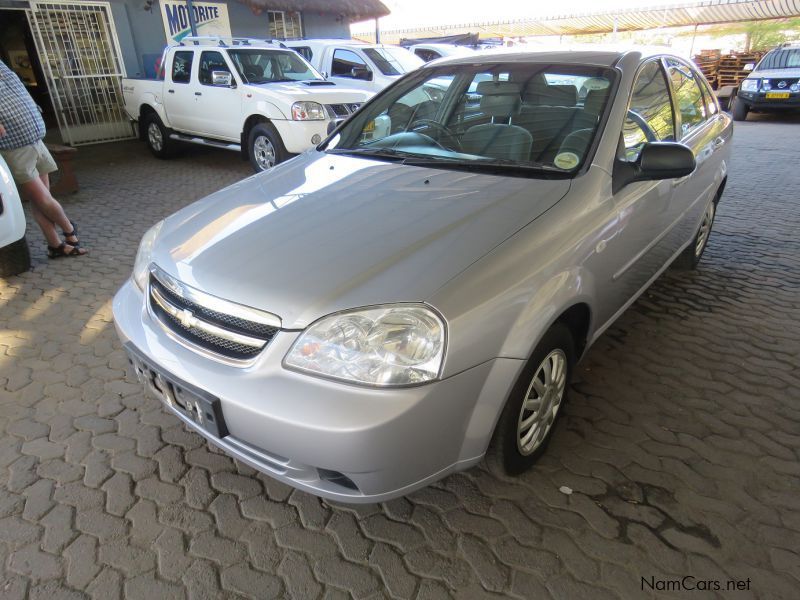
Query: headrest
x: 499, y: 98
x: 551, y: 95
x: 593, y: 103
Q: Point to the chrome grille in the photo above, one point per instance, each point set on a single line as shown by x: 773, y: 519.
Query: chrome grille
x: 186, y: 313
x: 342, y: 111
x: 775, y: 84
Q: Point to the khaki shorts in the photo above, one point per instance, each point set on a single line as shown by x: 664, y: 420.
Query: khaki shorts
x: 29, y: 162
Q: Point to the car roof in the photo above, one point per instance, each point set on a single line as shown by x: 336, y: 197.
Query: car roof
x: 326, y: 42
x: 583, y: 54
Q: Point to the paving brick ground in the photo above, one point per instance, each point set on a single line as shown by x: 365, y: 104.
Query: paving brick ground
x: 680, y: 443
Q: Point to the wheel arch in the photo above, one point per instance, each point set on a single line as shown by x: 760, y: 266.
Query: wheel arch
x: 146, y: 110
x: 248, y: 124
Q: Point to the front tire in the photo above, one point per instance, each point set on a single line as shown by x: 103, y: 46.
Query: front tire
x: 15, y: 258
x: 740, y: 110
x: 156, y: 136
x: 265, y: 147
x: 526, y: 423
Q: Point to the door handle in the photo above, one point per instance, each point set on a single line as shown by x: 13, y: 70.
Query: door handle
x: 677, y: 182
x: 171, y: 91
x: 198, y: 93
x: 718, y: 142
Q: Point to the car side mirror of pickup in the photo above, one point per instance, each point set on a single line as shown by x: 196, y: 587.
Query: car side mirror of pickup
x: 656, y: 161
x: 749, y: 67
x: 361, y: 73
x: 333, y: 124
x: 222, y: 79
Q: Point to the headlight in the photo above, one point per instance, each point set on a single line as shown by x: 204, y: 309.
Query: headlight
x: 308, y: 111
x: 795, y: 87
x: 143, y: 256
x: 391, y: 345
x: 750, y: 85
x: 766, y: 85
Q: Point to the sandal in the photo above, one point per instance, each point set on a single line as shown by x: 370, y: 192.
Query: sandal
x: 59, y: 251
x: 73, y: 233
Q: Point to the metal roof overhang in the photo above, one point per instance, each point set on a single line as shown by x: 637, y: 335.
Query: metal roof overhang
x: 651, y: 17
x: 354, y: 10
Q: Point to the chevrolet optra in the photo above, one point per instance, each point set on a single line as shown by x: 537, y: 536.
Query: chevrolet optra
x: 413, y: 294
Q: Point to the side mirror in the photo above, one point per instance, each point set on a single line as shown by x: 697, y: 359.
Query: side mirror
x: 361, y: 73
x: 749, y: 67
x: 221, y: 78
x: 657, y: 160
x: 333, y: 124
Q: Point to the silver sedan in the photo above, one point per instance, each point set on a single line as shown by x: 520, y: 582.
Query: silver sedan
x: 412, y: 295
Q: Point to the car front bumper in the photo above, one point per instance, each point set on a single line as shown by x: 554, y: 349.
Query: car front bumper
x: 297, y: 135
x: 307, y: 431
x: 759, y: 101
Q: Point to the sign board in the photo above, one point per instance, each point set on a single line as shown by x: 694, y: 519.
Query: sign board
x: 211, y: 19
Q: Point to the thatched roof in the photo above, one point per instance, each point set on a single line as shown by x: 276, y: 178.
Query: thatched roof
x: 352, y: 10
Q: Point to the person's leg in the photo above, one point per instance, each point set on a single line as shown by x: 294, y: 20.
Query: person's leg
x: 48, y: 213
x: 47, y: 227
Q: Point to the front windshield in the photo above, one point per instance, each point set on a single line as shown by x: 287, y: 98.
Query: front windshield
x: 267, y: 66
x: 394, y: 61
x: 519, y: 116
x: 788, y: 58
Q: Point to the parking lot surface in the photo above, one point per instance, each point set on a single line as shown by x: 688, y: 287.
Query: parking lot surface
x: 680, y: 443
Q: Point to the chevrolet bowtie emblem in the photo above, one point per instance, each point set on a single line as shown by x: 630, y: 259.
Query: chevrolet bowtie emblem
x: 186, y: 318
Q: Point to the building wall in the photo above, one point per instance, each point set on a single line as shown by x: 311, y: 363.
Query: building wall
x: 141, y: 33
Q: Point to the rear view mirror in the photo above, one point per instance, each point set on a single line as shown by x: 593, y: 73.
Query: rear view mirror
x: 657, y: 160
x: 361, y: 73
x: 749, y: 67
x: 221, y: 78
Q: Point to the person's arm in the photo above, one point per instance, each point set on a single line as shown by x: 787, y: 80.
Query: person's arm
x: 2, y: 130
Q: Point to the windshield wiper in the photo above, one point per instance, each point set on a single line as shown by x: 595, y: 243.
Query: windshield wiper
x: 390, y: 153
x: 487, y: 165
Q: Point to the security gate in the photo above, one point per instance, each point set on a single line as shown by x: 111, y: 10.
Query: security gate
x: 80, y: 56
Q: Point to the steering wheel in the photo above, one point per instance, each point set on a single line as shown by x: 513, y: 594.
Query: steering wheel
x: 649, y: 134
x: 452, y: 142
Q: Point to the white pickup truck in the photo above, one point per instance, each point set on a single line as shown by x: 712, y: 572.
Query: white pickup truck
x: 14, y: 255
x: 257, y: 97
x: 369, y: 67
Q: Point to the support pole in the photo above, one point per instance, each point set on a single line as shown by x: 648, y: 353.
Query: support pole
x: 377, y: 32
x: 694, y: 35
x: 192, y: 20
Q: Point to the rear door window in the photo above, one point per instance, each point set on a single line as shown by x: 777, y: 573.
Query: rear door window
x: 345, y: 62
x: 182, y: 66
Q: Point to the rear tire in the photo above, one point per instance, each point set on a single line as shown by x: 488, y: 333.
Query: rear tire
x: 156, y: 136
x: 15, y: 258
x: 740, y: 110
x: 690, y: 257
x: 265, y: 147
x: 536, y: 399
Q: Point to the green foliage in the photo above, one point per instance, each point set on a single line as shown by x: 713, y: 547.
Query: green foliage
x: 761, y: 35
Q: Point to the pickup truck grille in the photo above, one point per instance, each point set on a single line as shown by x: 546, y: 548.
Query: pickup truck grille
x: 184, y: 313
x: 342, y: 111
x: 775, y: 83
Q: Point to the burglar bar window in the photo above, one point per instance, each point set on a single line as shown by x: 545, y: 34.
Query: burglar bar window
x: 284, y: 25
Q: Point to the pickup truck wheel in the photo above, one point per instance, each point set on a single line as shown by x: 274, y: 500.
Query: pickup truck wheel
x: 690, y: 257
x: 523, y: 430
x: 265, y: 147
x: 157, y: 137
x: 739, y: 110
x: 15, y: 258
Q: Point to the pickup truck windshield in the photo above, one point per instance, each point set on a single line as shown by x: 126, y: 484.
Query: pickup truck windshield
x: 526, y: 118
x: 267, y: 66
x: 781, y: 59
x: 394, y: 61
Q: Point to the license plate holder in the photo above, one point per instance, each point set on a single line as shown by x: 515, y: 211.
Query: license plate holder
x: 200, y: 408
x: 777, y: 95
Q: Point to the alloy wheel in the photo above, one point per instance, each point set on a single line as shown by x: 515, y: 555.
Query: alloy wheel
x: 541, y: 403
x: 154, y: 137
x: 264, y: 152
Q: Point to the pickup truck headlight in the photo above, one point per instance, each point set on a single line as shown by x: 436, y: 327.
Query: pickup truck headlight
x: 144, y: 255
x: 391, y: 345
x: 750, y: 85
x: 308, y: 111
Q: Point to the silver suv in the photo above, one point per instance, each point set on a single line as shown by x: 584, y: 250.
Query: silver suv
x: 380, y: 311
x: 772, y: 85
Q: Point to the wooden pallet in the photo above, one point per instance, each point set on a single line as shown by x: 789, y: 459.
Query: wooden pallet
x: 725, y: 70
